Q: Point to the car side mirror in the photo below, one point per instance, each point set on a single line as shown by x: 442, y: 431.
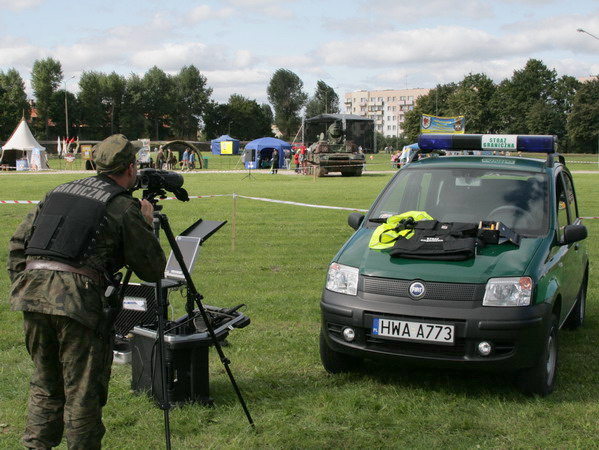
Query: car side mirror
x: 354, y: 220
x: 574, y: 233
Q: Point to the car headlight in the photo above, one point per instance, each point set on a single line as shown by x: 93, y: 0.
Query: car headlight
x: 508, y: 292
x: 342, y: 279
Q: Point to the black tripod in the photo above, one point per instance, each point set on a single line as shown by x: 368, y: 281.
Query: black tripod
x: 249, y: 175
x: 161, y: 222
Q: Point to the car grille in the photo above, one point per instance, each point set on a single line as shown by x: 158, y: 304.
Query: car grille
x: 434, y: 290
x: 416, y: 348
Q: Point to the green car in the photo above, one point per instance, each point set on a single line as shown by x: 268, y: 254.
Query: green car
x: 470, y: 257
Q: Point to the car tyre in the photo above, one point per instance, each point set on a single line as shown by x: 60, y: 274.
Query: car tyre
x: 540, y: 379
x: 335, y: 362
x: 576, y: 318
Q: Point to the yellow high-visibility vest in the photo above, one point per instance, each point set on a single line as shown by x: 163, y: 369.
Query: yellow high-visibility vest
x: 387, y: 233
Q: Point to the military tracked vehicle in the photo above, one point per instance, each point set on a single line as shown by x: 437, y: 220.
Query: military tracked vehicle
x: 337, y: 143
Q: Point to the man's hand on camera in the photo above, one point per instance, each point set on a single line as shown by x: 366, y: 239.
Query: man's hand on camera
x: 147, y: 209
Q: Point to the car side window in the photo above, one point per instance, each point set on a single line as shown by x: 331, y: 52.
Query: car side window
x: 562, y: 206
x: 571, y: 197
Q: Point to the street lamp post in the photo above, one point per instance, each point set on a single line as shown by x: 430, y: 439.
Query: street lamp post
x: 66, y: 107
x: 580, y: 30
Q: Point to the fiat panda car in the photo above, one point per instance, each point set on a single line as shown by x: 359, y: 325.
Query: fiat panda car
x: 481, y: 261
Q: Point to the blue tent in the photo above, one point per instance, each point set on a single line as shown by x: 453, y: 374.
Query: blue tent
x: 264, y: 148
x: 225, y: 145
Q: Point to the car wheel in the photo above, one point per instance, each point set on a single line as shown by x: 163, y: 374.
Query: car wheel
x: 576, y: 318
x: 540, y: 379
x: 335, y: 362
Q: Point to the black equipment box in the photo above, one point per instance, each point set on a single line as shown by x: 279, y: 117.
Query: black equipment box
x: 186, y: 356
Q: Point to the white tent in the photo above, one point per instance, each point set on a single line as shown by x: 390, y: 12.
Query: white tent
x: 22, y: 145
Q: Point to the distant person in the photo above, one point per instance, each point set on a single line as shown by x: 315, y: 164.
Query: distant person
x: 296, y: 161
x: 185, y: 160
x: 192, y: 160
x: 171, y: 160
x: 288, y: 154
x: 395, y: 159
x: 160, y: 161
x: 275, y: 162
x: 302, y: 159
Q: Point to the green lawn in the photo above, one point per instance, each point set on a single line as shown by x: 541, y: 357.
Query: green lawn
x: 278, y: 269
x: 376, y: 162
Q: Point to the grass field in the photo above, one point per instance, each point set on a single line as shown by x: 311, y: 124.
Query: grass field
x: 375, y: 162
x: 278, y: 269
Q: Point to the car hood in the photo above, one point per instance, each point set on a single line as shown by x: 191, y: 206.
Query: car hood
x: 502, y: 260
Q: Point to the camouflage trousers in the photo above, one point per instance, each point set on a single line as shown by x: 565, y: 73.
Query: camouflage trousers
x: 69, y: 385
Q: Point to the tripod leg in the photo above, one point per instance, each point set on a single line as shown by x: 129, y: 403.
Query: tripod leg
x: 161, y: 308
x: 194, y: 295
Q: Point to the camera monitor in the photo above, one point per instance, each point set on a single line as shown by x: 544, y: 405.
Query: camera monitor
x: 190, y: 248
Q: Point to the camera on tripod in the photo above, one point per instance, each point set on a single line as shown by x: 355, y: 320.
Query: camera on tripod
x: 156, y: 182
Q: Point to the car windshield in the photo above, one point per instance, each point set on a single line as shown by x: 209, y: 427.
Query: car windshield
x: 517, y: 199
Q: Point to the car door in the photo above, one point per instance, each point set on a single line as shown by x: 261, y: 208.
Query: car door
x: 571, y: 262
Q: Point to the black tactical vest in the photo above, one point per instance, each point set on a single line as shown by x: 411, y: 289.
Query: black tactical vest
x: 435, y: 240
x: 69, y: 218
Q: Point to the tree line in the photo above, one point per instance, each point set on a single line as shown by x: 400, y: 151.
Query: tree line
x: 156, y: 105
x: 160, y: 106
x: 533, y: 101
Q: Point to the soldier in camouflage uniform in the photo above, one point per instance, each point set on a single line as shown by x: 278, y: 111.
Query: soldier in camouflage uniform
x: 62, y: 295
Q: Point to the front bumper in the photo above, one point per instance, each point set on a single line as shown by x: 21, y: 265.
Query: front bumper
x: 516, y: 334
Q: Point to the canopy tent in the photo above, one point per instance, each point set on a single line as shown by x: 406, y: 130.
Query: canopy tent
x: 264, y: 148
x: 22, y: 145
x: 225, y: 145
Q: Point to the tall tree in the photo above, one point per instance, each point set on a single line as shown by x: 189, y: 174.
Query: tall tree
x: 215, y: 119
x: 57, y: 112
x: 247, y: 120
x: 583, y: 121
x: 46, y: 76
x: 158, y: 100
x: 324, y: 101
x: 515, y: 97
x: 191, y: 97
x: 113, y: 90
x: 13, y: 101
x: 91, y: 97
x: 132, y: 119
x: 286, y: 95
x: 472, y: 99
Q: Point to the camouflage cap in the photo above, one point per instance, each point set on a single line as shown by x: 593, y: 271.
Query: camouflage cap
x: 115, y: 153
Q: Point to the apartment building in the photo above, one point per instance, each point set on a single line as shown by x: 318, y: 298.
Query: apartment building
x: 387, y: 107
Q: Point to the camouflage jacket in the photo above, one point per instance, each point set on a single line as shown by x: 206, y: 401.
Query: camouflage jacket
x: 126, y: 240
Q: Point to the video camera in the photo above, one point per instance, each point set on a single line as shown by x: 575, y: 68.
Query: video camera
x: 156, y: 182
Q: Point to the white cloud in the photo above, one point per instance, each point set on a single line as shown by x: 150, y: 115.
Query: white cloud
x: 243, y: 58
x: 173, y: 56
x: 410, y: 11
x: 206, y: 12
x: 18, y: 53
x: 274, y: 9
x: 250, y: 83
x: 19, y: 5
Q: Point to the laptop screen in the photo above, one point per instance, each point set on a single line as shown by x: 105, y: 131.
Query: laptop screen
x: 190, y: 248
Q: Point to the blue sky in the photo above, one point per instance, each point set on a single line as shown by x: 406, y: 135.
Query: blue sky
x: 350, y: 44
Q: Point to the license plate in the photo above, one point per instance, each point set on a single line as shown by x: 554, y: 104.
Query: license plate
x: 413, y: 331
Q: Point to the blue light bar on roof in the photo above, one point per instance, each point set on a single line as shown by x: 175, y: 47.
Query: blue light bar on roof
x: 488, y: 142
